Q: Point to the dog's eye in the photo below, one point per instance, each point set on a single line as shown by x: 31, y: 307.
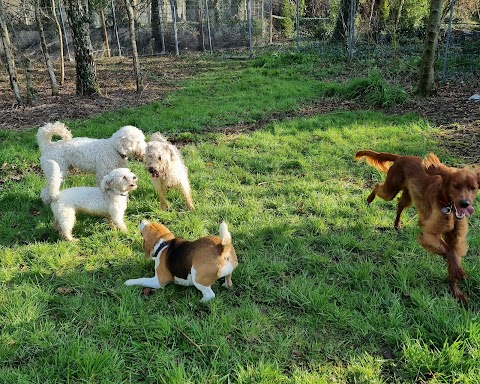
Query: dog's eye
x: 456, y: 186
x: 159, y: 157
x: 124, y: 177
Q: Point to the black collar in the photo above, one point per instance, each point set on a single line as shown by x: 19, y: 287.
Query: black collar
x: 121, y: 154
x: 160, y: 248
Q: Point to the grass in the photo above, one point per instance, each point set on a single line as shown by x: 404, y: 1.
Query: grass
x: 326, y: 291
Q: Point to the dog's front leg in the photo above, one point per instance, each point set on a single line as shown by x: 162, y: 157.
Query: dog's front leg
x: 435, y: 244
x: 147, y: 282
x: 117, y: 221
x: 162, y: 193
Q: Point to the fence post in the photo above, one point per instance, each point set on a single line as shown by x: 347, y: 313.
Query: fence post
x: 115, y: 28
x: 174, y: 19
x: 351, y: 33
x: 447, y: 44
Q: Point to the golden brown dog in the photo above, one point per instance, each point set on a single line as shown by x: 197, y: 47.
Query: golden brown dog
x: 442, y: 196
x: 199, y: 263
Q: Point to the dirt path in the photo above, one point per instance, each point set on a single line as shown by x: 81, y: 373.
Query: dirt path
x: 450, y: 109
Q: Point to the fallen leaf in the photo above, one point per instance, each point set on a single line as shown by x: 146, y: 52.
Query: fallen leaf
x: 65, y: 290
x: 148, y: 291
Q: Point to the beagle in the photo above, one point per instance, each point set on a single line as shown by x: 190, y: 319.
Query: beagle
x: 199, y: 263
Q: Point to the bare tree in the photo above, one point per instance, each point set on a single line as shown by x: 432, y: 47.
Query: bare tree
x: 78, y: 16
x: 7, y: 47
x: 43, y: 44
x: 133, y: 42
x: 105, y: 34
x: 60, y: 42
x: 341, y: 25
x: 156, y: 25
x: 426, y: 84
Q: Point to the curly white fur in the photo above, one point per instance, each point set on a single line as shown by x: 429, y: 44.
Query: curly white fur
x: 167, y: 169
x: 98, y: 156
x: 109, y: 200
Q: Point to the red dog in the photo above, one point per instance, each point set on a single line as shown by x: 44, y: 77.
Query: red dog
x: 443, y: 197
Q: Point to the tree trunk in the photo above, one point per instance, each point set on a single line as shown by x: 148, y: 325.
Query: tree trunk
x: 156, y: 31
x: 7, y: 48
x: 60, y: 42
x: 84, y: 63
x: 399, y: 14
x: 377, y: 19
x: 43, y: 44
x: 133, y: 42
x: 341, y: 25
x: 426, y: 84
x: 105, y: 34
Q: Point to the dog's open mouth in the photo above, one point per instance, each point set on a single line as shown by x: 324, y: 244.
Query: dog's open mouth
x: 156, y: 173
x: 460, y: 213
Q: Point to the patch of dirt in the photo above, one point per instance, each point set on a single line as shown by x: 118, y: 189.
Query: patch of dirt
x: 117, y: 84
x: 450, y: 109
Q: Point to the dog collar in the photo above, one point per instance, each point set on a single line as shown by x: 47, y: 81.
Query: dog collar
x: 447, y: 207
x: 121, y: 155
x: 446, y: 210
x: 163, y: 244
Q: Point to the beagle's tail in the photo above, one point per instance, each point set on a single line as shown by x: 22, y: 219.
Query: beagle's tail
x: 48, y: 131
x: 225, y: 235
x: 382, y: 161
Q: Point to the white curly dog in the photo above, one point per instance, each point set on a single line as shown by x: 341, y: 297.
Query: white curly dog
x: 98, y: 156
x: 167, y: 169
x: 109, y: 200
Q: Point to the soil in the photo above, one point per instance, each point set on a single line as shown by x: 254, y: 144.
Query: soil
x: 450, y: 110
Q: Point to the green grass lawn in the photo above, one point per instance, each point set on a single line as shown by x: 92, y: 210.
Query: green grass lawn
x: 325, y: 291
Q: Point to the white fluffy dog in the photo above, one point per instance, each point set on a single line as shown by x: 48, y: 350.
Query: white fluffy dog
x: 166, y: 166
x: 109, y: 200
x: 98, y: 156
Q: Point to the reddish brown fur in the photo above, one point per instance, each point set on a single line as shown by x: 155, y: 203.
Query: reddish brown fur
x: 429, y: 184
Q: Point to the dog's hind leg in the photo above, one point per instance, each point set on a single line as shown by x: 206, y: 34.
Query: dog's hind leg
x: 187, y: 194
x: 206, y: 290
x: 66, y: 221
x: 404, y: 202
x: 384, y: 191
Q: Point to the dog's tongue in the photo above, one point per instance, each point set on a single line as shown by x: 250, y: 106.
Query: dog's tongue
x: 464, y: 212
x: 469, y: 211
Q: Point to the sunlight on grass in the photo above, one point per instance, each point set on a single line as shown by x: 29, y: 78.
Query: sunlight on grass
x: 325, y: 291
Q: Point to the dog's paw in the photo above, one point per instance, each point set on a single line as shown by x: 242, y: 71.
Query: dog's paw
x: 129, y: 282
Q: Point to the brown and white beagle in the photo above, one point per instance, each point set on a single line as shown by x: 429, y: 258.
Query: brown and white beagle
x: 199, y: 263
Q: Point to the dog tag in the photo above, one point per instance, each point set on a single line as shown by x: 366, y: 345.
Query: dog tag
x: 446, y: 210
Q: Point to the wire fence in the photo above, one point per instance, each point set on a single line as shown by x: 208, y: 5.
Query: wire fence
x: 199, y: 25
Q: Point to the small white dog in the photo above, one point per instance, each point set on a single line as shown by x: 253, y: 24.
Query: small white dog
x: 166, y: 166
x: 109, y: 200
x: 98, y: 156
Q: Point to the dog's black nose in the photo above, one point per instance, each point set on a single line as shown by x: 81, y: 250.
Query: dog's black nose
x: 464, y: 203
x: 150, y: 169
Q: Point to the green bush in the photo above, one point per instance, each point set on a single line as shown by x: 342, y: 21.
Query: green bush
x: 374, y: 90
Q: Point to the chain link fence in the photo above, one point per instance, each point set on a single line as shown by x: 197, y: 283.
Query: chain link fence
x: 177, y: 26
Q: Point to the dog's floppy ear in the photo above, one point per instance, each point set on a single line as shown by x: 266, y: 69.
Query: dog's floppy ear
x: 476, y: 169
x: 106, y: 183
x: 158, y: 137
x: 433, y: 166
x: 124, y: 144
x: 173, y: 152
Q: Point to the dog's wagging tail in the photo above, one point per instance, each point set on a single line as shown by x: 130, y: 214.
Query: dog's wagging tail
x: 443, y: 197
